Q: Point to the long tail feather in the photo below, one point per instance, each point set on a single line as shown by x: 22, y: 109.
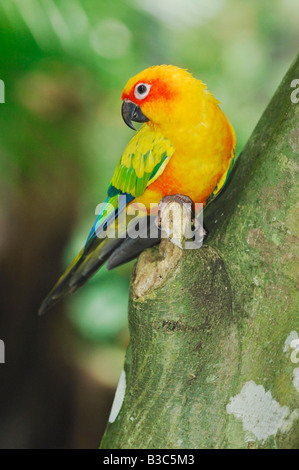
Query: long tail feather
x: 94, y: 254
x: 75, y: 276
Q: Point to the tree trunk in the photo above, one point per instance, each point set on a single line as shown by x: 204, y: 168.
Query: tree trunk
x: 214, y: 331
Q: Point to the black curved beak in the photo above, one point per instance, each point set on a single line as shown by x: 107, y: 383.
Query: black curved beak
x: 132, y: 112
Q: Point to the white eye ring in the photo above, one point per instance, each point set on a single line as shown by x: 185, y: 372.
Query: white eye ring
x: 142, y: 90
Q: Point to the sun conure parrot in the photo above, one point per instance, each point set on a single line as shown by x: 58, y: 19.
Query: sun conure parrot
x: 185, y: 147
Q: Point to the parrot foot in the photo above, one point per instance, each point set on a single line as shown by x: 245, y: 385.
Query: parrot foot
x: 176, y: 217
x: 181, y: 199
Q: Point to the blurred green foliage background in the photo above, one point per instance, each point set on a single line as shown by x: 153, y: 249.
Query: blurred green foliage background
x: 64, y: 64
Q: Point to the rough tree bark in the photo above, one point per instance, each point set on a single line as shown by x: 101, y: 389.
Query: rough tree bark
x: 211, y: 363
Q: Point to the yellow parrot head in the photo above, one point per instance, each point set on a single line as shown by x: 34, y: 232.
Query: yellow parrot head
x: 162, y: 94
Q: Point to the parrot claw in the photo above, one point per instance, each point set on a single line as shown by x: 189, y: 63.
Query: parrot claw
x: 184, y: 201
x: 176, y: 216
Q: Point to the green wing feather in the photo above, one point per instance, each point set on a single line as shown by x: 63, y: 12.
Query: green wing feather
x: 143, y: 161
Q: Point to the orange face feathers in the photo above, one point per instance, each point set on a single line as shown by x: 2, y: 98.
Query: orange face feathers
x: 166, y: 81
x: 158, y: 91
x: 163, y: 92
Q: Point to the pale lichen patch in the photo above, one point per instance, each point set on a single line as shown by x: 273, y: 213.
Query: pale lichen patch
x: 260, y: 414
x: 296, y: 378
x: 288, y: 342
x: 119, y: 397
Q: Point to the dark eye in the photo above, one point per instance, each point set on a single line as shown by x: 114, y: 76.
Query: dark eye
x: 142, y: 90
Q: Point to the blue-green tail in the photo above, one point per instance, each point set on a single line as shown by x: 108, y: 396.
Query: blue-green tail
x: 93, y: 255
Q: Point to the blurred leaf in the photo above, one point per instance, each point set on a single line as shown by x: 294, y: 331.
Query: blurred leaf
x: 99, y: 311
